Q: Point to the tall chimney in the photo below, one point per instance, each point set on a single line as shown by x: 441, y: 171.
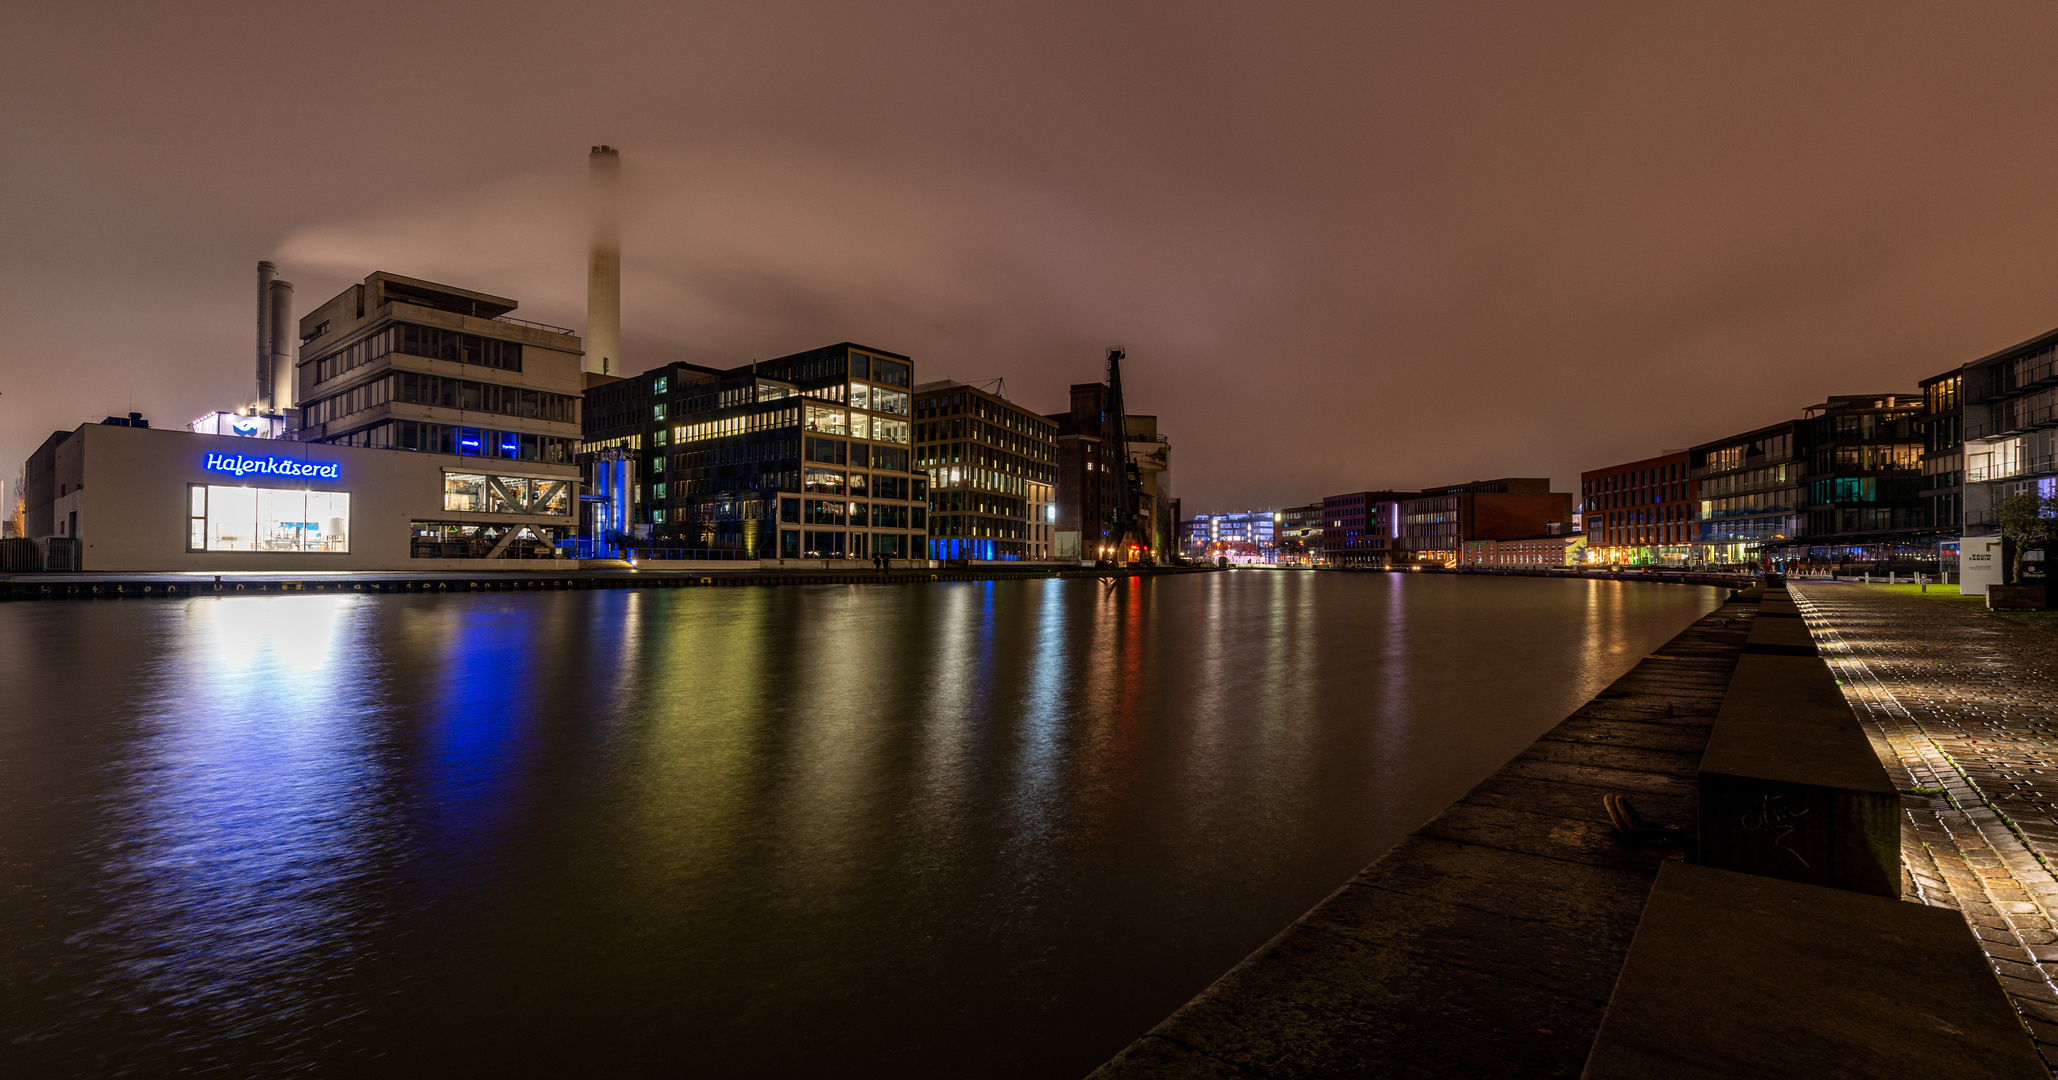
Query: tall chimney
x: 604, y: 269
x: 284, y: 330
x: 265, y: 273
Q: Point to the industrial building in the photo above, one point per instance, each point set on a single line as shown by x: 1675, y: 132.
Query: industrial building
x: 1095, y: 447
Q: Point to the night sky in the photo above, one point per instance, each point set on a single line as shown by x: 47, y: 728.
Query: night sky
x: 1347, y: 246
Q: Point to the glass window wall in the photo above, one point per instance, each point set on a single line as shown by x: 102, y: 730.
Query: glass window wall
x: 222, y: 518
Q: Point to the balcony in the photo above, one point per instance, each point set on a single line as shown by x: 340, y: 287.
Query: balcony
x: 1981, y: 474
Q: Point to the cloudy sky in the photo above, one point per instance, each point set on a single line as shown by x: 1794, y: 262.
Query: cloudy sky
x: 1347, y: 246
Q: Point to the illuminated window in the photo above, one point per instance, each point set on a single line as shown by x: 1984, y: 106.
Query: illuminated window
x: 826, y: 420
x: 222, y: 518
x: 822, y: 481
x: 480, y: 494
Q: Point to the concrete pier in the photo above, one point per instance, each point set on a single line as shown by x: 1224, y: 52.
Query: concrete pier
x: 1518, y: 935
x: 1488, y: 942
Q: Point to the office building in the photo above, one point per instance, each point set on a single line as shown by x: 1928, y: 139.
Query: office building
x: 1640, y: 512
x: 808, y: 456
x: 1300, y: 535
x: 1248, y: 537
x: 399, y: 363
x: 1361, y: 529
x: 993, y: 474
x: 1752, y: 494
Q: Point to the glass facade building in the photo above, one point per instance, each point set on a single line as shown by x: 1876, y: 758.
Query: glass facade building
x: 809, y: 456
x: 1751, y: 493
x: 1248, y: 536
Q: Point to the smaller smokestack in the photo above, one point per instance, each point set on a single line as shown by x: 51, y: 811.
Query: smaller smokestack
x: 284, y: 330
x: 265, y: 273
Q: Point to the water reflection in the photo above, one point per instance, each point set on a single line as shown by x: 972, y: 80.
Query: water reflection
x: 991, y: 828
x: 246, y: 805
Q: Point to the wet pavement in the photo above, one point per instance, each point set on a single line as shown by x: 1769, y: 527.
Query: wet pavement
x: 1963, y: 708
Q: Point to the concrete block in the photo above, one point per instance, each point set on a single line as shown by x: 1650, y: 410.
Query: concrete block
x: 1791, y: 788
x: 1739, y: 975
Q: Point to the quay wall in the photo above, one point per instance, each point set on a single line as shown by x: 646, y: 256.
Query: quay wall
x: 89, y: 586
x: 1486, y: 943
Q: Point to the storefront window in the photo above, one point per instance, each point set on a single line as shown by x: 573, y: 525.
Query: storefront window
x: 267, y: 519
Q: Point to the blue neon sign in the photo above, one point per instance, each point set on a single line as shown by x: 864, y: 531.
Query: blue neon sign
x: 245, y: 465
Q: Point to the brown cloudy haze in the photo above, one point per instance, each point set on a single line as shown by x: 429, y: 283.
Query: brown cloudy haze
x: 1347, y: 246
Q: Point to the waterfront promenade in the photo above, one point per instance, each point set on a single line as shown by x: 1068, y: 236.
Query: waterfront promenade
x: 1963, y: 707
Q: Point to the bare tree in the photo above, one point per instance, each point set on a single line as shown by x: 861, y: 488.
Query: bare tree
x: 2028, y: 519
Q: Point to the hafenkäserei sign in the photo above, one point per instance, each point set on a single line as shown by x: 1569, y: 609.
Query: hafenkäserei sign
x: 245, y: 465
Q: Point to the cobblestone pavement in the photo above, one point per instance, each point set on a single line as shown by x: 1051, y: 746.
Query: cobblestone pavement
x: 1963, y: 708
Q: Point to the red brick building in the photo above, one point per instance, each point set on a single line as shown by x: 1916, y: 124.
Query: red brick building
x: 1640, y: 512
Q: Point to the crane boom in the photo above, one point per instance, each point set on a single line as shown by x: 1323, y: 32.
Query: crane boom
x: 1125, y: 516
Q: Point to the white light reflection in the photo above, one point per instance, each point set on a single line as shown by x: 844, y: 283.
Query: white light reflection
x: 1046, y: 706
x: 249, y: 808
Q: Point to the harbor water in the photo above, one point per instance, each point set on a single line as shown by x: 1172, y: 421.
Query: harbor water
x: 969, y: 829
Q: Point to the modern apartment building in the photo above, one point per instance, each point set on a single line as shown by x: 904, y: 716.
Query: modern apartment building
x: 2010, y: 403
x: 404, y: 364
x: 1640, y: 512
x: 809, y: 456
x: 1752, y: 492
x: 1943, y: 453
x: 993, y: 474
x: 1866, y: 502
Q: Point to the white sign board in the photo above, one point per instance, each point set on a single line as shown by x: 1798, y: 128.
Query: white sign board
x: 1979, y: 564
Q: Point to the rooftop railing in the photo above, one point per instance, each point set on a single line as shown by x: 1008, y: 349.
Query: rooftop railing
x: 511, y: 320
